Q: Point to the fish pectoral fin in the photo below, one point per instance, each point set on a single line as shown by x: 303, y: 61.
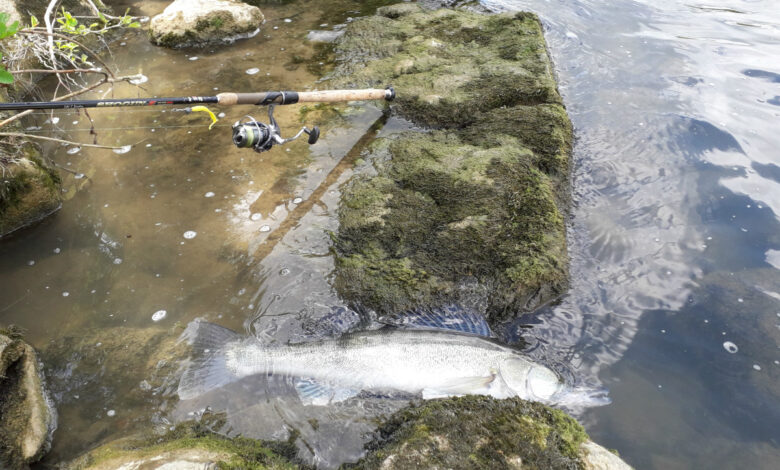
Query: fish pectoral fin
x: 459, y: 386
x: 313, y: 392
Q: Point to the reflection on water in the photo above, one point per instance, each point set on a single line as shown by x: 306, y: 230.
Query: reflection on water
x: 674, y: 235
x: 676, y: 225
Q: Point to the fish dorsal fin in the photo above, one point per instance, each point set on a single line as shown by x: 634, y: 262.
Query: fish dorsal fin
x: 445, y: 318
x: 314, y: 392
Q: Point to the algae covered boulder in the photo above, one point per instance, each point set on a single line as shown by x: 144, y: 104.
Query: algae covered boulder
x: 27, y: 417
x: 476, y: 432
x: 200, y: 22
x: 191, y: 445
x: 471, y: 210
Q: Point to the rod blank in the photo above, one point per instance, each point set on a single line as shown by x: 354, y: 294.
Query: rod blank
x: 227, y: 99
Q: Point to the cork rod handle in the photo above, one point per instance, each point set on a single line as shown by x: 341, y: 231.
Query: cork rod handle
x: 330, y: 96
x: 291, y: 97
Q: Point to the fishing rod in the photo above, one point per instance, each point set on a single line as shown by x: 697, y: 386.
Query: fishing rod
x: 247, y: 132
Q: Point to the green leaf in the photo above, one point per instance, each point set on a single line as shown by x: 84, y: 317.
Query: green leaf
x: 6, y: 77
x: 33, y: 21
x: 83, y: 58
x: 102, y: 17
x: 134, y: 24
x: 4, y: 17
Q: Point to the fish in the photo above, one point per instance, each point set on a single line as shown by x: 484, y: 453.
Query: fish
x: 431, y: 355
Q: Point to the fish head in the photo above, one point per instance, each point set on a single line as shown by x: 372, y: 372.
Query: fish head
x: 528, y: 380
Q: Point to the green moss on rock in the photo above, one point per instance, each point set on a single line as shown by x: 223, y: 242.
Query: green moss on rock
x: 482, y: 199
x: 448, y: 65
x: 476, y: 432
x: 188, y: 445
x: 442, y: 211
x: 29, y: 191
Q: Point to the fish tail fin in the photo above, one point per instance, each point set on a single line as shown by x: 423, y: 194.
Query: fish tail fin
x: 207, y: 368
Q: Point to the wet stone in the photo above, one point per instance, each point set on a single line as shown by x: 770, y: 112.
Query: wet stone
x: 472, y: 211
x: 27, y: 416
x: 202, y: 22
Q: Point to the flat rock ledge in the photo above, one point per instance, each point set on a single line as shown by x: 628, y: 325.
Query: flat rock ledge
x: 467, y: 207
x: 189, y: 446
x: 27, y: 416
x: 187, y: 23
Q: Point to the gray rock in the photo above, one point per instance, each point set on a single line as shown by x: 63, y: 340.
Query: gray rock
x: 27, y: 417
x: 200, y: 22
x: 596, y: 457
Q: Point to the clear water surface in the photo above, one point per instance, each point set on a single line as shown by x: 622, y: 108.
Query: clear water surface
x: 674, y: 236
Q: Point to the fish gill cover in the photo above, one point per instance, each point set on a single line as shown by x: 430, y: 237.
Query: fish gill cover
x: 472, y: 207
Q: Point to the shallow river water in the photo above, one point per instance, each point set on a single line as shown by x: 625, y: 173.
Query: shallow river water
x: 674, y: 236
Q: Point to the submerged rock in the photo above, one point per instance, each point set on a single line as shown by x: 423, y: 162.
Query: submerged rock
x: 200, y: 22
x: 190, y: 445
x: 470, y: 213
x: 480, y: 432
x: 27, y: 417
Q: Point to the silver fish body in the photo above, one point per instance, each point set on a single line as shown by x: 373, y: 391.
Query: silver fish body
x: 432, y: 363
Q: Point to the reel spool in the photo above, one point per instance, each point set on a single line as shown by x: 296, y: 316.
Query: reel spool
x: 250, y: 133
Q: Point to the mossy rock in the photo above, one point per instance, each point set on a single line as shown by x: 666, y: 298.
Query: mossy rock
x: 200, y: 22
x: 29, y: 191
x: 477, y: 432
x: 448, y: 65
x: 189, y: 445
x: 27, y: 417
x: 481, y: 200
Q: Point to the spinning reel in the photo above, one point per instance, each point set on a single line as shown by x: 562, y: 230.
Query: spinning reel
x: 249, y: 133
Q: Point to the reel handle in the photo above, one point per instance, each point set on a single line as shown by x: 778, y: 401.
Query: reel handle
x: 291, y: 97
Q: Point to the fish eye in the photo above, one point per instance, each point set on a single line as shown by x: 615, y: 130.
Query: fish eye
x: 542, y: 382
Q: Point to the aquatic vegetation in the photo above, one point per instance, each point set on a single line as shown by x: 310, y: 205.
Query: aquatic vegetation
x: 476, y: 432
x: 483, y: 197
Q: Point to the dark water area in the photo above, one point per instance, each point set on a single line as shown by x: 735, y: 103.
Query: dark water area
x: 674, y: 236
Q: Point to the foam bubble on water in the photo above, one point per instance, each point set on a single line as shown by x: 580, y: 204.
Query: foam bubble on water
x: 149, y: 145
x: 209, y: 194
x: 256, y: 216
x: 287, y: 20
x: 78, y: 176
x: 159, y: 315
x: 75, y: 122
x: 140, y: 78
x: 57, y: 250
x: 123, y: 149
x: 110, y: 413
x: 730, y: 347
x: 55, y: 120
x: 190, y: 234
x: 252, y: 71
x: 74, y: 150
x: 221, y: 115
x: 117, y: 260
x: 31, y: 262
x: 297, y: 200
x: 194, y: 57
x: 756, y: 367
x: 65, y: 294
x: 265, y: 228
